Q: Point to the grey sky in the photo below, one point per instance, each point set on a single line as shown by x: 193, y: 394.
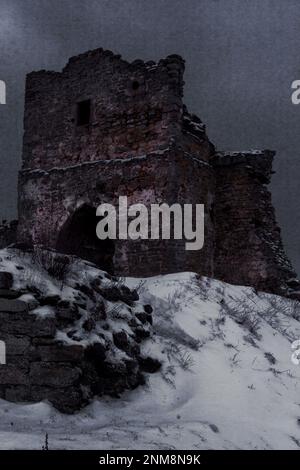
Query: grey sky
x: 241, y: 57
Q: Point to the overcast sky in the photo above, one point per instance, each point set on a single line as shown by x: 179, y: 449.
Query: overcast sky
x: 241, y: 57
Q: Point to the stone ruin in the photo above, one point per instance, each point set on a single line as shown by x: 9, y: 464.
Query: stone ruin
x: 99, y: 129
x: 66, y: 347
x: 104, y: 127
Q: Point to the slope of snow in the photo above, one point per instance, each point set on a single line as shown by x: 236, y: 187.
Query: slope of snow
x: 227, y: 380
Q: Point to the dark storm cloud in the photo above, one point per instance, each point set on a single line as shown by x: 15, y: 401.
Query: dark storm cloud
x: 242, y: 56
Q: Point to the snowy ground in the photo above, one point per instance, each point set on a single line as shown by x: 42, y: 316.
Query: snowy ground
x: 227, y: 380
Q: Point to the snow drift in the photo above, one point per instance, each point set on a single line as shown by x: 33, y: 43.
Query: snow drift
x: 226, y: 382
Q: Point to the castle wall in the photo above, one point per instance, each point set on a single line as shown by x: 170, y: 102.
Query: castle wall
x: 135, y: 108
x: 171, y: 176
x: 249, y: 249
x: 141, y: 142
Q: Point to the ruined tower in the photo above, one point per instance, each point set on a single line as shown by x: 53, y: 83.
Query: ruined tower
x: 104, y: 127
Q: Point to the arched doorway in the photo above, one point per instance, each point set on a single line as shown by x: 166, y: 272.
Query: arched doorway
x: 78, y: 237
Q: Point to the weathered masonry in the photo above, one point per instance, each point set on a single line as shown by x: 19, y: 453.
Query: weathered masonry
x: 104, y: 127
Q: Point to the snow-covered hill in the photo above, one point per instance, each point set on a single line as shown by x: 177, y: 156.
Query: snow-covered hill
x: 227, y: 379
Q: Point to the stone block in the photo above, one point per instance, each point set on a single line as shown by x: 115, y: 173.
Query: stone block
x: 6, y: 280
x: 26, y: 324
x: 60, y: 353
x: 13, y: 375
x: 9, y: 294
x: 12, y: 305
x: 53, y: 374
x: 15, y: 345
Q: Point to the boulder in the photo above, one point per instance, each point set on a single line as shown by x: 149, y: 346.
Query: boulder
x: 148, y: 308
x: 51, y: 300
x: 148, y: 364
x: 144, y: 317
x: 119, y: 293
x: 294, y: 295
x: 293, y: 283
x: 67, y: 313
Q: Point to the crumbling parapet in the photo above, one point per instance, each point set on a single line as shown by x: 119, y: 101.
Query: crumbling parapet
x: 128, y: 109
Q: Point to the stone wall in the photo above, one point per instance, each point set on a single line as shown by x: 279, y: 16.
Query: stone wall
x: 169, y: 176
x: 78, y: 349
x: 135, y: 108
x: 140, y: 141
x: 249, y: 249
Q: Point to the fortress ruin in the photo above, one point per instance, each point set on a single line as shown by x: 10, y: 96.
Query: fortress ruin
x: 104, y: 127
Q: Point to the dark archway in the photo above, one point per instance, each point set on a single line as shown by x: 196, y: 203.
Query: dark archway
x: 78, y: 237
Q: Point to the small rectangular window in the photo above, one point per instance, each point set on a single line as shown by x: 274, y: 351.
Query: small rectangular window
x: 83, y: 113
